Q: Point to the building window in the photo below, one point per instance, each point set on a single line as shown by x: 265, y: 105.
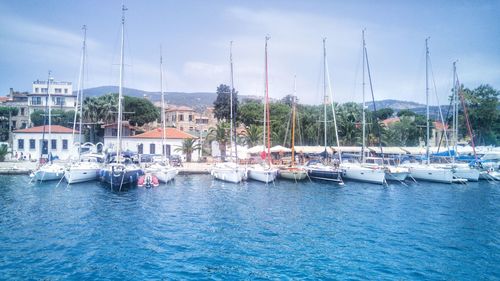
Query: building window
x: 22, y: 111
x: 151, y: 148
x: 53, y: 144
x: 20, y: 144
x: 190, y: 118
x: 32, y: 144
x: 44, y: 90
x: 140, y: 148
x: 14, y: 124
x: 23, y: 125
x: 58, y: 101
x: 166, y: 149
x: 36, y: 90
x: 114, y: 132
x: 65, y: 91
x: 58, y: 90
x: 181, y: 117
x: 65, y: 144
x: 36, y: 100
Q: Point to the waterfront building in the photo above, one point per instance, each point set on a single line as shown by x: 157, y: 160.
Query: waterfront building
x: 187, y: 119
x: 30, y: 141
x: 18, y: 100
x: 61, y: 93
x: 151, y: 142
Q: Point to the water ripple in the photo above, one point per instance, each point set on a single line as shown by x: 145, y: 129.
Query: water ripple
x: 196, y: 228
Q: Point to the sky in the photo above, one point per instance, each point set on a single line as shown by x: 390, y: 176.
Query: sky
x: 38, y: 36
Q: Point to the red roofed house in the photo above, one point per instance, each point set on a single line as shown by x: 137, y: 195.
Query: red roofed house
x: 150, y: 142
x: 437, y: 133
x: 29, y: 141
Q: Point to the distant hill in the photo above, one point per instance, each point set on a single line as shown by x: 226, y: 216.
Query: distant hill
x: 177, y: 98
x: 418, y: 108
x: 203, y: 99
x: 397, y: 105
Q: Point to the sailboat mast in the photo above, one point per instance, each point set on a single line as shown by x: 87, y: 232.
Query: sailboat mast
x: 268, y: 122
x: 82, y: 82
x: 231, y: 99
x: 293, y: 118
x: 325, y: 97
x: 455, y: 108
x: 49, y: 143
x: 120, y: 91
x: 427, y: 97
x: 163, y: 125
x: 364, y: 102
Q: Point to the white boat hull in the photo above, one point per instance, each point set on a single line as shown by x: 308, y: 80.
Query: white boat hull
x: 363, y: 174
x: 470, y: 174
x: 166, y: 175
x: 429, y: 173
x: 229, y: 173
x: 262, y: 175
x: 77, y: 174
x: 49, y: 172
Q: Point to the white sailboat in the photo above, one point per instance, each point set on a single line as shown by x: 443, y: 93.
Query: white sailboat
x: 460, y: 170
x: 293, y: 172
x: 265, y: 172
x: 230, y: 171
x: 87, y: 167
x: 359, y: 171
x: 162, y: 169
x: 428, y: 172
x: 50, y: 170
x: 120, y: 170
x: 319, y: 170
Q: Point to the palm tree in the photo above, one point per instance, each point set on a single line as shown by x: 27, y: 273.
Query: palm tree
x: 188, y: 147
x: 4, y: 150
x: 220, y: 133
x: 252, y: 135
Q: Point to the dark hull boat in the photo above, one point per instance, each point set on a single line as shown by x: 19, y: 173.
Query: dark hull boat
x: 120, y: 175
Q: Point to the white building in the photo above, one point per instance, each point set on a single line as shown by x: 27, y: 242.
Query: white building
x: 150, y: 142
x: 61, y: 94
x: 29, y: 142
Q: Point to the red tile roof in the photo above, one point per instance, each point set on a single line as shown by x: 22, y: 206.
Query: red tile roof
x: 4, y: 99
x: 440, y: 126
x: 390, y: 121
x: 55, y: 129
x: 172, y: 133
x: 178, y: 108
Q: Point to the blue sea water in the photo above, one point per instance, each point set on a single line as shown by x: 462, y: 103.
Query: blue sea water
x: 197, y: 228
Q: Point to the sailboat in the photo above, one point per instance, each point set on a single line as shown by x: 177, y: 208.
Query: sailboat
x: 162, y: 170
x: 120, y: 170
x: 87, y: 166
x: 460, y: 170
x: 364, y: 172
x: 426, y: 171
x: 317, y: 169
x: 265, y: 172
x: 50, y: 170
x: 293, y: 172
x: 230, y: 171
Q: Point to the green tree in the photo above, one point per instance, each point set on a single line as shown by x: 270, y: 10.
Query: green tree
x: 220, y: 133
x: 251, y: 113
x: 383, y: 113
x: 483, y: 110
x: 222, y: 103
x: 188, y: 147
x: 4, y: 150
x: 6, y: 113
x: 143, y: 111
x: 406, y: 112
x: 252, y: 135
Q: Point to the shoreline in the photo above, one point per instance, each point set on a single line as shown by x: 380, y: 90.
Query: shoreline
x: 26, y: 167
